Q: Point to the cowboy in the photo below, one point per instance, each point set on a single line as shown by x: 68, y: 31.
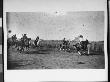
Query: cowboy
x: 81, y: 38
x: 64, y: 41
x: 25, y: 37
x: 36, y: 41
x: 37, y: 38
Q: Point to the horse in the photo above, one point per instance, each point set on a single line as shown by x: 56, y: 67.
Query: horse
x: 11, y: 43
x: 65, y: 45
x: 19, y: 45
x: 22, y: 44
x: 14, y: 39
x: 36, y: 41
x: 79, y: 47
x: 27, y: 43
x: 82, y: 47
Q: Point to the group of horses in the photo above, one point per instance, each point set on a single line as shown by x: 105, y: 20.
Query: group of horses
x: 81, y: 47
x: 25, y: 43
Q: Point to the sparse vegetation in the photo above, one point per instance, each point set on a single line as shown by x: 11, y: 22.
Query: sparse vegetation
x: 48, y: 56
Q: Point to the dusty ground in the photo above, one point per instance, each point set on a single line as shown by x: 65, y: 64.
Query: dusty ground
x: 53, y: 59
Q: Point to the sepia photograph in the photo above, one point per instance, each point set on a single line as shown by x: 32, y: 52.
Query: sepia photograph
x: 55, y: 40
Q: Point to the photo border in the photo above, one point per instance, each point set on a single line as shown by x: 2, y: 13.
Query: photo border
x: 57, y: 74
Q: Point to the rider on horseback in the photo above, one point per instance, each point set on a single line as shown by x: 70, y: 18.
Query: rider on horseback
x: 25, y: 37
x: 64, y: 41
x: 37, y: 38
x: 64, y: 45
x: 81, y: 38
x: 14, y: 37
x: 36, y: 41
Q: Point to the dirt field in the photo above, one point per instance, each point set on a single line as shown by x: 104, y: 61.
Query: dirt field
x: 44, y: 58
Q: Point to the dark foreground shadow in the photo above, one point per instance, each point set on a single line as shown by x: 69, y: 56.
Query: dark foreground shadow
x: 12, y: 65
x: 1, y: 76
x: 79, y: 62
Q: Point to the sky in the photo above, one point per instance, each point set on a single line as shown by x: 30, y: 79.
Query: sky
x: 0, y: 13
x: 57, y: 25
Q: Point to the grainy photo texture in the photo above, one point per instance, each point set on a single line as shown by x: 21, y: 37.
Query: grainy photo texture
x: 1, y: 60
x: 55, y: 40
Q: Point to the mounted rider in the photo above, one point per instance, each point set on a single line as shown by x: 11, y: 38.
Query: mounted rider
x: 14, y: 37
x: 13, y: 40
x: 24, y: 37
x: 64, y: 41
x: 81, y: 38
x: 36, y: 41
x: 83, y: 42
x: 37, y: 38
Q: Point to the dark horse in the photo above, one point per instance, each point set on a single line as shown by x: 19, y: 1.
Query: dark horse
x: 84, y: 44
x: 11, y: 41
x: 82, y: 47
x: 36, y: 41
x: 22, y: 44
x: 65, y: 45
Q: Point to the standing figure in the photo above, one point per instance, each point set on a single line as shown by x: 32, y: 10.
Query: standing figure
x: 64, y: 41
x: 24, y: 37
x: 14, y: 38
x: 36, y: 41
x: 64, y: 45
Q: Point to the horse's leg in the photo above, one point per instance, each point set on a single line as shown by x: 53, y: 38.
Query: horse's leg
x: 22, y: 48
x: 88, y: 51
x: 64, y: 48
x: 60, y: 47
x: 18, y: 48
x: 79, y: 52
x: 36, y: 44
x: 27, y: 47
